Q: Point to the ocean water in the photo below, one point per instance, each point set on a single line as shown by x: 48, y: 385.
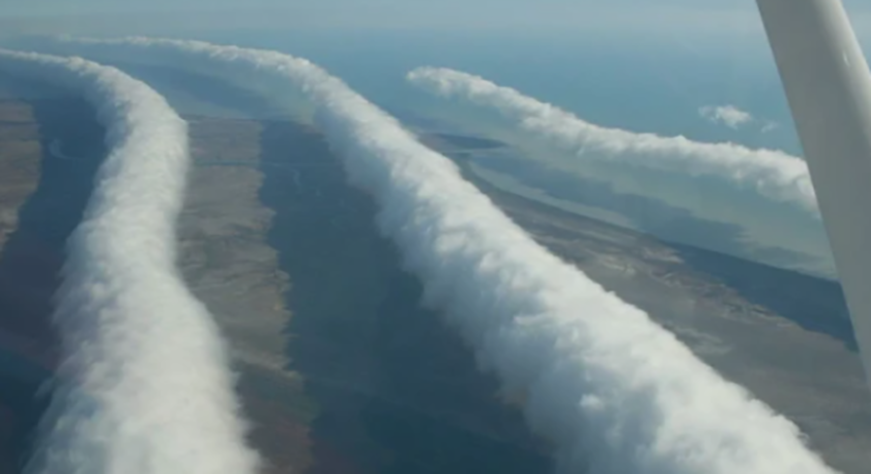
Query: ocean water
x: 634, y: 85
x: 642, y: 86
x: 637, y: 84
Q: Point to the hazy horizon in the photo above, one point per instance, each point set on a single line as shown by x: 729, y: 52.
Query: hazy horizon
x: 655, y: 84
x: 406, y: 236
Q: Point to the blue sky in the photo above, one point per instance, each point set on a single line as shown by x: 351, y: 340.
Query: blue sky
x: 700, y: 17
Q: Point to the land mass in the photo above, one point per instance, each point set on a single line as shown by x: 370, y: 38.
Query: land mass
x: 42, y: 198
x: 340, y: 369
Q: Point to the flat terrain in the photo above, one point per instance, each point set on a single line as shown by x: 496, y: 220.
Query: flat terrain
x: 42, y: 197
x: 339, y: 368
x: 230, y: 265
x: 783, y: 335
x: 362, y: 357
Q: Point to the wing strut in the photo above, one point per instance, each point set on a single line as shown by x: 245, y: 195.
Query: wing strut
x: 828, y: 87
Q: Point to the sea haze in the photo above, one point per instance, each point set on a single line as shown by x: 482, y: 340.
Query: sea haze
x: 658, y: 86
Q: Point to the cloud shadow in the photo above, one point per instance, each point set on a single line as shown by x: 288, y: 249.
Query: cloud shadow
x: 30, y: 262
x: 397, y: 391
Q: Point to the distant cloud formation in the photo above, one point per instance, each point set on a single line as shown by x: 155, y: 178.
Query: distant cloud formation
x: 769, y: 126
x: 144, y: 386
x: 735, y: 118
x: 728, y: 115
x: 771, y: 173
x: 615, y: 392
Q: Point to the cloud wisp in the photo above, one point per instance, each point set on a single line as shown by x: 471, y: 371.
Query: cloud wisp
x: 144, y: 385
x: 735, y: 118
x: 771, y: 173
x: 615, y: 392
x: 727, y: 115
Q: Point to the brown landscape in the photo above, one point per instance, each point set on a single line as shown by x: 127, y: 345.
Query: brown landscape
x: 41, y: 201
x: 340, y: 369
